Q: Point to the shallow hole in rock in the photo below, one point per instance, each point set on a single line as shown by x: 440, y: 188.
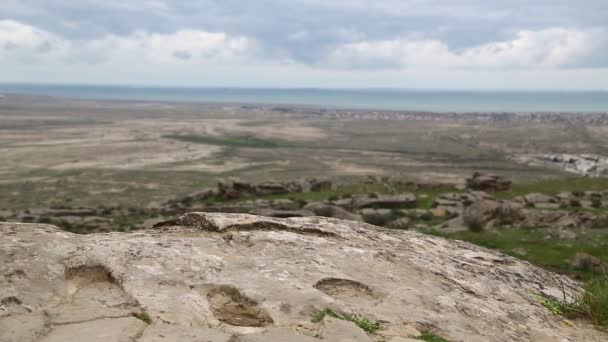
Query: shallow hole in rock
x: 345, y: 289
x: 83, y: 276
x: 230, y: 306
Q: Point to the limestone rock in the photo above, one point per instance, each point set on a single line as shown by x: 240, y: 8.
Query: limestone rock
x: 488, y: 182
x: 251, y: 277
x: 385, y: 201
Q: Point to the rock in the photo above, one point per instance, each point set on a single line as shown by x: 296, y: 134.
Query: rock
x: 327, y: 210
x: 401, y: 339
x: 320, y: 185
x: 275, y: 335
x: 176, y: 333
x: 249, y: 276
x: 485, y: 214
x: 283, y: 204
x: 282, y: 213
x: 122, y: 329
x: 378, y: 217
x: 337, y: 330
x: 400, y: 223
x: 587, y: 262
x: 537, y: 198
x: 385, y: 201
x: 488, y: 182
x: 271, y: 188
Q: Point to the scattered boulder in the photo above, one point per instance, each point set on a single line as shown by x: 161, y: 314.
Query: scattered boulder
x: 378, y: 217
x: 488, y: 182
x: 327, y: 210
x: 486, y: 214
x: 400, y: 223
x: 385, y: 201
x: 587, y: 262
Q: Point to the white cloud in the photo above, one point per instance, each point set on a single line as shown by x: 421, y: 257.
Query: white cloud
x: 550, y: 48
x: 25, y: 44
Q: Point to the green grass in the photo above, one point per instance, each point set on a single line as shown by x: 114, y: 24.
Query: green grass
x: 233, y: 140
x: 143, y: 316
x: 364, y: 323
x: 592, y: 304
x: 557, y: 185
x: 542, y: 247
x: 431, y: 337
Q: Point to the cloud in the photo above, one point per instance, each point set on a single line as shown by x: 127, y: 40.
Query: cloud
x: 28, y: 44
x: 549, y: 48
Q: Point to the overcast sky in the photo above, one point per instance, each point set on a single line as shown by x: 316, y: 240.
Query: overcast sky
x: 456, y: 44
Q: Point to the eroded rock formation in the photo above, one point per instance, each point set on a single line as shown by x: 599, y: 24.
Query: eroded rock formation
x: 238, y: 277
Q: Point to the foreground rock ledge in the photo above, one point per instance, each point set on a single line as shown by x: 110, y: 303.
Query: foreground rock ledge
x: 237, y: 277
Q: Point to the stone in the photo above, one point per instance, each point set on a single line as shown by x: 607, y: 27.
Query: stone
x: 275, y: 335
x: 385, y: 201
x: 484, y: 214
x: 271, y: 188
x: 400, y: 223
x: 282, y: 213
x: 378, y: 217
x: 587, y: 262
x: 124, y: 329
x: 176, y: 333
x: 537, y: 198
x: 488, y: 182
x: 337, y: 330
x: 328, y: 210
x: 252, y: 276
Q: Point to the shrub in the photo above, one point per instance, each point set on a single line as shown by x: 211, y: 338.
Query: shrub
x: 596, y: 203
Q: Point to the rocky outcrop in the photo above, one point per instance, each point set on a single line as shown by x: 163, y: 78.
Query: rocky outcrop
x: 237, y: 277
x: 486, y: 214
x: 488, y: 182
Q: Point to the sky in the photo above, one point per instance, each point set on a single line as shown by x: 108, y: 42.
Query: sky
x: 422, y: 44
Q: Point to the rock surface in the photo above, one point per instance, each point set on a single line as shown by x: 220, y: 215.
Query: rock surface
x: 238, y: 277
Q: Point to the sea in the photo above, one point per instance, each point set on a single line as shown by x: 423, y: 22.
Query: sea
x: 371, y: 99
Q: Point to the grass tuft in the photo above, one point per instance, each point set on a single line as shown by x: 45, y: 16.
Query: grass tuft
x: 431, y: 337
x: 364, y: 323
x: 592, y: 305
x: 143, y: 316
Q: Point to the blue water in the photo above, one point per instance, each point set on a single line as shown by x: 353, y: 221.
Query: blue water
x: 416, y: 100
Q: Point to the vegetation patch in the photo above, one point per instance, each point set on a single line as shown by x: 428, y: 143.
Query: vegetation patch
x: 431, y: 337
x: 364, y: 323
x: 232, y: 140
x: 143, y: 316
x: 541, y: 247
x: 592, y: 304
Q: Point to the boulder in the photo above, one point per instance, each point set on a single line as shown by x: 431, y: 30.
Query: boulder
x: 488, y: 182
x: 271, y: 188
x: 400, y: 223
x: 537, y: 198
x: 282, y: 213
x: 378, y: 217
x: 385, y: 201
x: 486, y: 214
x: 239, y: 277
x: 328, y: 210
x: 317, y: 185
x: 587, y: 262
